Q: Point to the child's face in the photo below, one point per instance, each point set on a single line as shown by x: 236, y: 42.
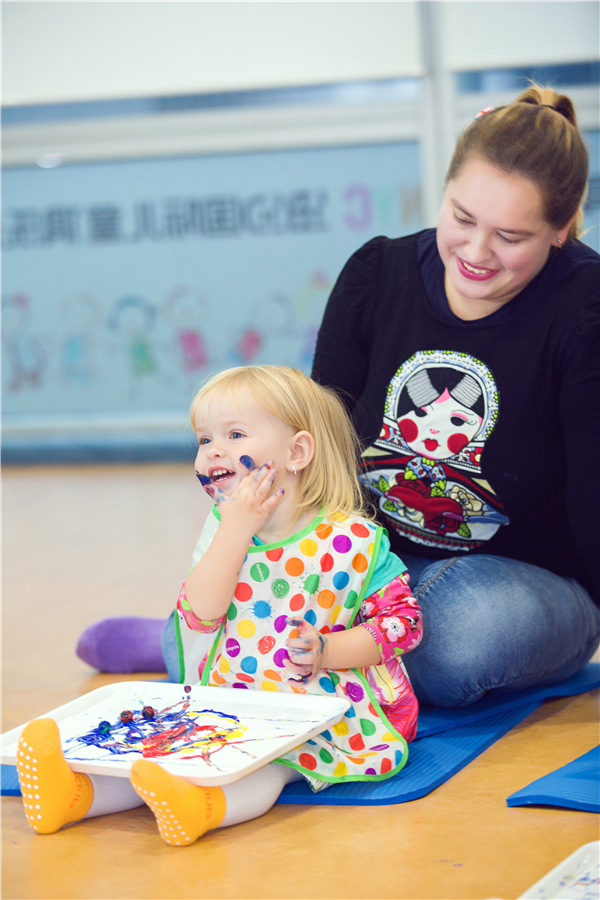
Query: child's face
x: 229, y: 432
x: 441, y: 429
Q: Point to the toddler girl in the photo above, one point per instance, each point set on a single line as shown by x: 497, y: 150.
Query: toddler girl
x: 293, y: 588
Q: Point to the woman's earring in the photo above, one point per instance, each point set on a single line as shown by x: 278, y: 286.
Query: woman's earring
x: 559, y: 243
x: 294, y: 469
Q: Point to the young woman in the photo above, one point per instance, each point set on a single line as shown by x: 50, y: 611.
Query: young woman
x: 468, y: 357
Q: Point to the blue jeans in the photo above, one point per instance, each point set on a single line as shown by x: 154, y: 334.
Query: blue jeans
x: 489, y: 623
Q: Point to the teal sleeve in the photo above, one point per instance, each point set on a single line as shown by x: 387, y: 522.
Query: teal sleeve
x: 387, y: 567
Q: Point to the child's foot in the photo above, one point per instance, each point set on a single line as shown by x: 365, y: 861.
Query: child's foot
x: 53, y: 795
x: 183, y: 811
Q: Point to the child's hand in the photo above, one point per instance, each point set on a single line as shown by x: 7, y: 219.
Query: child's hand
x: 308, y: 651
x: 249, y: 504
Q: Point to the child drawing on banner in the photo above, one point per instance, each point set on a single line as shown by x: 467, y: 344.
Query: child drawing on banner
x: 269, y: 333
x: 185, y: 311
x: 132, y: 319
x: 24, y: 357
x: 293, y: 589
x: 81, y: 316
x: 440, y: 409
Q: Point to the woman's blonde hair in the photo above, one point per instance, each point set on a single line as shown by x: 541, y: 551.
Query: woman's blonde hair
x: 331, y: 479
x: 536, y: 136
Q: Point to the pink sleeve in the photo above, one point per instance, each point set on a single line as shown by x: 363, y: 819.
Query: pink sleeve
x: 191, y: 619
x: 393, y: 617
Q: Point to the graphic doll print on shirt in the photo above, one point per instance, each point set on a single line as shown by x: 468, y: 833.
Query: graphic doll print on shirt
x: 440, y: 409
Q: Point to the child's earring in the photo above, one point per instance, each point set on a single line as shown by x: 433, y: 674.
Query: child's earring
x: 294, y: 469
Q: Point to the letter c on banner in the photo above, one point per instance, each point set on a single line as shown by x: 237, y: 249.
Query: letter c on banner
x: 360, y: 215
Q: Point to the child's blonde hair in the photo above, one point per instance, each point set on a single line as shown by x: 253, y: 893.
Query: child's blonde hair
x: 330, y: 481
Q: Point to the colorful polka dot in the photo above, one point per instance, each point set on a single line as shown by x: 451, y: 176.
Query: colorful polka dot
x: 311, y: 616
x: 355, y: 692
x: 243, y: 591
x: 326, y: 562
x: 262, y: 609
x: 350, y: 601
x: 335, y: 613
x: 297, y: 602
x: 266, y: 643
x: 359, y: 563
x: 327, y: 684
x: 342, y: 543
x: 386, y: 765
x: 217, y: 678
x: 326, y: 599
x: 398, y: 757
x: 280, y: 624
x: 232, y: 612
x: 323, y: 531
x: 340, y: 580
x: 259, y: 572
x: 388, y: 736
x: 367, y: 727
x: 325, y: 755
x: 280, y: 656
x: 359, y: 530
x: 224, y: 666
x: 356, y: 742
x: 371, y: 548
x: 232, y: 647
x: 270, y: 673
x: 241, y: 676
x: 249, y: 664
x: 308, y: 547
x: 280, y: 587
x: 274, y: 555
x: 246, y: 628
x: 294, y: 567
x: 268, y: 686
x: 341, y: 728
x: 307, y: 761
x: 340, y: 770
x: 298, y: 690
x: 238, y: 684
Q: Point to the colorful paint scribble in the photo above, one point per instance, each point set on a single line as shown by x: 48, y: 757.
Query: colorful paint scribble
x: 173, y: 730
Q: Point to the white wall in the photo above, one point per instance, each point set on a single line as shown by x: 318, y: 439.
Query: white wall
x: 58, y: 51
x: 488, y: 35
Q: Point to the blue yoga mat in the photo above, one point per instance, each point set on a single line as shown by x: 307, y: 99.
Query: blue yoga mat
x: 433, y: 719
x: 575, y: 786
x: 431, y: 762
x: 447, y: 740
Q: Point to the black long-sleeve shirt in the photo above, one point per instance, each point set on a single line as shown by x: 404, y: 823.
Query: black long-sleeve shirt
x: 480, y: 436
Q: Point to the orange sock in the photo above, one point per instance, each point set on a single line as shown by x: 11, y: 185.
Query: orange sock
x: 53, y: 795
x: 183, y: 811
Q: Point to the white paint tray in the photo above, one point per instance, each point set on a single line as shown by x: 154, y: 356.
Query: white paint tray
x: 221, y: 736
x: 576, y: 878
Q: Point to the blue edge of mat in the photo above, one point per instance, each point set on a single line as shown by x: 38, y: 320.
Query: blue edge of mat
x: 576, y: 785
x: 447, y: 740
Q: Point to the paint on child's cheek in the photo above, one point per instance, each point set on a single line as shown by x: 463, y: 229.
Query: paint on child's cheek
x: 247, y: 462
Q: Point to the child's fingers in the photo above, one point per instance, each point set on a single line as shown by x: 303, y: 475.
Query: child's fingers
x: 302, y: 674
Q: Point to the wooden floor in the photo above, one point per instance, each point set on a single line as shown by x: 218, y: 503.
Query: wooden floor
x: 83, y: 543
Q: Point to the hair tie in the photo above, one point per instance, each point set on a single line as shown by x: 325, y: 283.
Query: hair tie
x: 484, y: 111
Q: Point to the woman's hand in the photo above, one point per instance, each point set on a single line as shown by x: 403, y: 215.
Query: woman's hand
x: 307, y: 652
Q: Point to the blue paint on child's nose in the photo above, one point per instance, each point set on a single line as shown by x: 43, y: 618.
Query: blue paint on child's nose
x: 247, y: 461
x: 203, y: 479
